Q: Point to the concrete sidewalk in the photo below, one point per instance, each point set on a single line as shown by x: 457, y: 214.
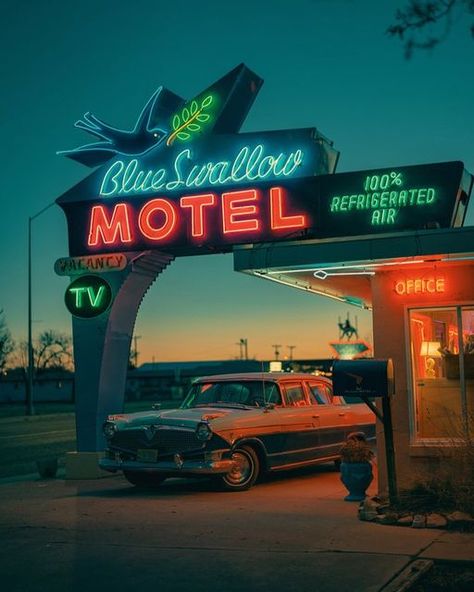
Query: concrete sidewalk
x: 291, y: 532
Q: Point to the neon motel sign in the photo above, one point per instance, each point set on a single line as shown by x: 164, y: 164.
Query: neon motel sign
x: 185, y: 181
x: 160, y: 219
x: 203, y: 216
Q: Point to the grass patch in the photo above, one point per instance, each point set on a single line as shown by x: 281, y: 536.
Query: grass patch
x: 447, y: 577
x: 51, y: 432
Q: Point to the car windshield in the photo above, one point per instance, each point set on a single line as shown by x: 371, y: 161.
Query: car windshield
x: 240, y: 394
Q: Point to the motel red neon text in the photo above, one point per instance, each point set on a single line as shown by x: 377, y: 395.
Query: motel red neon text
x: 234, y: 216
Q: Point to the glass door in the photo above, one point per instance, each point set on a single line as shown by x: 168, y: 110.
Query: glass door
x: 434, y: 348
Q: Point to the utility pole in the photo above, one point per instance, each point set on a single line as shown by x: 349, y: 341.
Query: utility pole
x: 30, y: 409
x: 135, y: 354
x: 277, y: 351
x: 239, y: 343
x: 243, y: 343
x: 291, y: 348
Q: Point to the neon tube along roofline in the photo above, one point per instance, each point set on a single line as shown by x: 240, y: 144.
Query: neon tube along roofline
x: 355, y: 266
x: 311, y: 290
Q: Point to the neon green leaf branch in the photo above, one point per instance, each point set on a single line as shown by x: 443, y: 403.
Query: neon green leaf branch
x: 189, y: 120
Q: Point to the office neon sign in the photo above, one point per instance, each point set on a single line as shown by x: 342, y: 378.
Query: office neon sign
x: 420, y: 285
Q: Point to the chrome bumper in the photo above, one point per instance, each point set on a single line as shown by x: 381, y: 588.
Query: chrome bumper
x: 190, y: 467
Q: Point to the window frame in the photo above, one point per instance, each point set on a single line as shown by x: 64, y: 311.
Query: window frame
x: 290, y: 384
x: 323, y: 387
x: 410, y: 374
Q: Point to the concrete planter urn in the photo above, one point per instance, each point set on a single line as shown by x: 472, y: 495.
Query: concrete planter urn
x: 356, y: 477
x: 356, y: 466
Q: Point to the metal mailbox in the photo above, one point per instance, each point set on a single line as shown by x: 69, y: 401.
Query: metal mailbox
x: 363, y: 378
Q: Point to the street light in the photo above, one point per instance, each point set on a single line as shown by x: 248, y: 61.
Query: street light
x: 29, y: 385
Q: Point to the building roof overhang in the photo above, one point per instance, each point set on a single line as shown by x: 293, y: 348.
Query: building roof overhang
x: 342, y: 269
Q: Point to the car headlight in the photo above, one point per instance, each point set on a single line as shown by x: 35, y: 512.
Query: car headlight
x: 109, y: 429
x: 203, y: 432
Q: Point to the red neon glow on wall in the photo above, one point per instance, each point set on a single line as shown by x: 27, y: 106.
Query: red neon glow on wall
x: 277, y: 217
x: 232, y: 212
x: 105, y: 230
x: 197, y: 203
x: 149, y: 209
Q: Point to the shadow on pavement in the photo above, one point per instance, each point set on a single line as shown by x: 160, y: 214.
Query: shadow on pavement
x: 189, y: 486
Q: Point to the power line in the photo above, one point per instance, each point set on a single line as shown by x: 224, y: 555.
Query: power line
x: 277, y: 351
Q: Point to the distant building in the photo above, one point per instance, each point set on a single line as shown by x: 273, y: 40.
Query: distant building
x: 52, y: 385
x: 154, y: 381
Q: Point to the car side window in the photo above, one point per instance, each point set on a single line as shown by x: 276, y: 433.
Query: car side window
x: 318, y: 394
x: 295, y: 395
x: 235, y: 393
x: 335, y: 399
x: 272, y: 394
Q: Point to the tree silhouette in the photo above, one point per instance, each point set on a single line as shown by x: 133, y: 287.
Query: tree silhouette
x: 423, y: 24
x: 7, y: 345
x: 51, y: 350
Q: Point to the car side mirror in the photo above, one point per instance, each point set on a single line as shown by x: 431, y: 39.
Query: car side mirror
x: 269, y: 407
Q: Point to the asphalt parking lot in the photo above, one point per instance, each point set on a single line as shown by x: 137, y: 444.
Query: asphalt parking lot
x: 290, y: 532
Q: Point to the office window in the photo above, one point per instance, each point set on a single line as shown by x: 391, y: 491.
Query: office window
x: 442, y: 359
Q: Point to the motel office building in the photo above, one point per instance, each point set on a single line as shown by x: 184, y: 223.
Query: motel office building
x: 420, y: 287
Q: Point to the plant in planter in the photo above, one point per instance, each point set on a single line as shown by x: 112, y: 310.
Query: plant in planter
x: 356, y: 466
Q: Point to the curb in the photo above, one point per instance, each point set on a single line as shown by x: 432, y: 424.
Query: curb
x: 408, y: 576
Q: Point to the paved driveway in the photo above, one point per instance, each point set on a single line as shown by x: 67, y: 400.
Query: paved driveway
x: 291, y: 532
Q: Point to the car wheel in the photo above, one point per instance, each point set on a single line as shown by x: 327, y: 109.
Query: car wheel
x: 140, y: 479
x: 245, y: 471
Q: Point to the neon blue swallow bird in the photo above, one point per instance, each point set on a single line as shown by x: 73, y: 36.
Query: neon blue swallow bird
x: 144, y: 137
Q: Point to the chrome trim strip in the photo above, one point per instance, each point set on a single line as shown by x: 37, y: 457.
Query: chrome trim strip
x: 190, y: 467
x: 315, y: 448
x: 304, y: 462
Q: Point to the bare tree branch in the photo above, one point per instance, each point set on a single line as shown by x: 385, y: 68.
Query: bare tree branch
x: 423, y: 24
x: 53, y: 350
x: 7, y: 345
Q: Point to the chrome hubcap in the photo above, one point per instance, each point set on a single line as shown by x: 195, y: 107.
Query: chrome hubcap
x: 242, y: 469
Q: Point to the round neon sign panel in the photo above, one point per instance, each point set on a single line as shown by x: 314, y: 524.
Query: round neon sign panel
x: 88, y: 296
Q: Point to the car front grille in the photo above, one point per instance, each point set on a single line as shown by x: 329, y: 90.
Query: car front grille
x: 164, y: 439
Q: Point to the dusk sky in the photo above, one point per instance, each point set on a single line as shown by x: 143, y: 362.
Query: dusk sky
x: 325, y: 63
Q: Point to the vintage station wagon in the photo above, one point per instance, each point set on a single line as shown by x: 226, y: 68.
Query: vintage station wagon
x: 235, y: 427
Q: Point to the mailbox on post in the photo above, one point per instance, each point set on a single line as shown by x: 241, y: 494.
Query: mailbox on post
x: 366, y: 379
x: 363, y: 378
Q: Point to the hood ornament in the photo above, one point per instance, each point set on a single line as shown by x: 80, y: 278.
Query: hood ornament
x: 150, y: 432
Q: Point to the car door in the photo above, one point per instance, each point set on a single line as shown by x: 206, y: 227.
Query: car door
x: 298, y: 424
x: 333, y: 415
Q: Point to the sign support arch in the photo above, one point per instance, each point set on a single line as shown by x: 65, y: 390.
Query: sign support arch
x: 102, y: 347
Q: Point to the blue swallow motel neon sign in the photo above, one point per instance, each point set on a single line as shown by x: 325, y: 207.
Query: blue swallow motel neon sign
x: 184, y: 179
